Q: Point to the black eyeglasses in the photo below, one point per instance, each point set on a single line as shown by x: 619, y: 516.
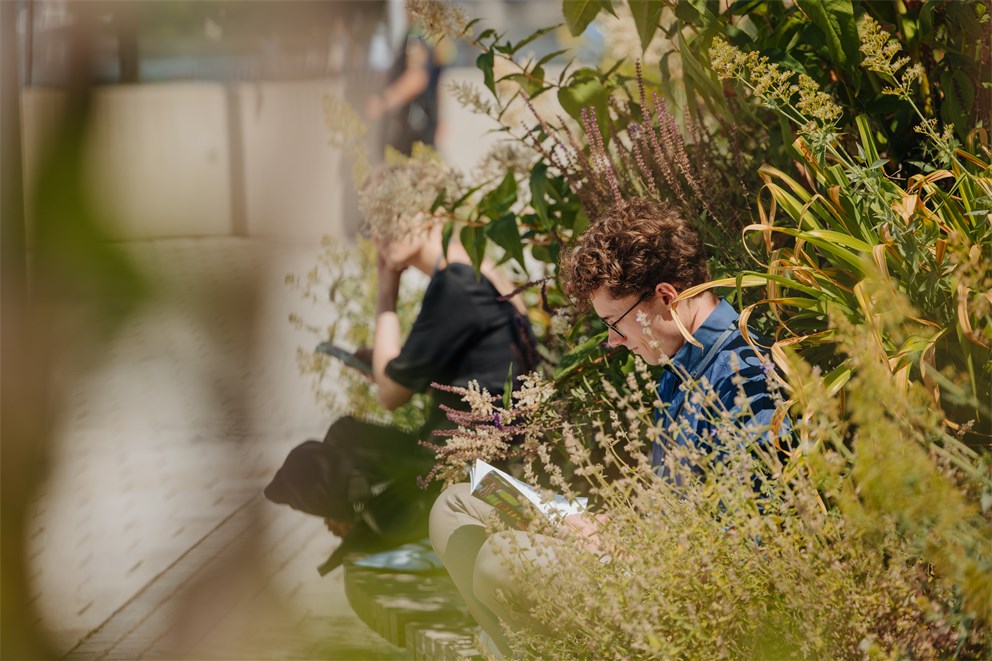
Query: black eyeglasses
x: 613, y: 326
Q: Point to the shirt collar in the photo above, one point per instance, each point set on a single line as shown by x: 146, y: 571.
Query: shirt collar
x: 707, y: 334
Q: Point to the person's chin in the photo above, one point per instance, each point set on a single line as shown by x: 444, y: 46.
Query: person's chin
x: 650, y: 356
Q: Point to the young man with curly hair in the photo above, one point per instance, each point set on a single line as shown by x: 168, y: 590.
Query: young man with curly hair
x: 630, y: 266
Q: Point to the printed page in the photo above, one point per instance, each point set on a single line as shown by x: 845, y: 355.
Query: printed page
x: 511, y: 497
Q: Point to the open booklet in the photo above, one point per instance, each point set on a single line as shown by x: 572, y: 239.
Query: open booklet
x: 513, y: 499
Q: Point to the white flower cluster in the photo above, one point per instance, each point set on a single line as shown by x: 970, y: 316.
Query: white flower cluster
x: 505, y: 156
x: 396, y: 199
x: 478, y: 398
x: 561, y: 322
x: 533, y: 392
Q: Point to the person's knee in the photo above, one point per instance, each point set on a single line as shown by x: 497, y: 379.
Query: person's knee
x: 340, y: 430
x: 442, y: 517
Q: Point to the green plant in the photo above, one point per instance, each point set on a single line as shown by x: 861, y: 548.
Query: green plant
x: 845, y: 215
x: 874, y: 548
x: 873, y: 540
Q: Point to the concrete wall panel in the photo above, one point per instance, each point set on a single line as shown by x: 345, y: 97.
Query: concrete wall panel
x: 160, y: 159
x: 293, y: 179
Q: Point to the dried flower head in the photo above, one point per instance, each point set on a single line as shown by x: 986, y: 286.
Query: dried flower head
x: 397, y: 197
x: 561, y: 322
x: 879, y: 49
x: 880, y: 53
x: 469, y: 96
x: 797, y: 96
x: 505, y: 156
x: 439, y: 19
x: 345, y: 125
x: 347, y: 131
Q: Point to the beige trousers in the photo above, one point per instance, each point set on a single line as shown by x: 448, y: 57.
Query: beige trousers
x: 481, y: 565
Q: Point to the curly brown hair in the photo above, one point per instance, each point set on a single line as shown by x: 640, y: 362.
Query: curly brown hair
x: 631, y: 248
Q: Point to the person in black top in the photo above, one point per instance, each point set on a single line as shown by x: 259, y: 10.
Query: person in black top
x: 362, y: 479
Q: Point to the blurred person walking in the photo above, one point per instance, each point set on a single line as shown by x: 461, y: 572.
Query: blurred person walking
x: 409, y: 104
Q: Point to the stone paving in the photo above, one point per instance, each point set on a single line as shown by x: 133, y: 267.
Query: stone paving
x: 150, y: 539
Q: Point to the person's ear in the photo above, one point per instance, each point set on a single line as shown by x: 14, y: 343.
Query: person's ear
x: 666, y: 292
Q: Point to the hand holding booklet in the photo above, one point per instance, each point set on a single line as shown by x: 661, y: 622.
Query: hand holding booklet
x: 513, y: 498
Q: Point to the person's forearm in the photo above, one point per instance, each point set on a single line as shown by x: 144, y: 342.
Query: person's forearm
x: 405, y: 89
x: 387, y: 345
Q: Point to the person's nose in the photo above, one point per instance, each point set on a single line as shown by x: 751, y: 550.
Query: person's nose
x: 614, y: 339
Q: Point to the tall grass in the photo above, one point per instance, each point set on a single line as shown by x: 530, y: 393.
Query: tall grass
x: 873, y: 540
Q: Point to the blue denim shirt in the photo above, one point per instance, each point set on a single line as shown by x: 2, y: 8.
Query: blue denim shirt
x: 714, y: 367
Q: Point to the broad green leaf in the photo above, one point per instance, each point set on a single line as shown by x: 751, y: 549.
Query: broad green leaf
x: 647, y: 14
x: 832, y: 243
x: 542, y: 254
x: 499, y: 200
x: 474, y: 242
x: 485, y: 63
x: 793, y: 207
x: 840, y: 238
x: 586, y: 93
x: 571, y: 360
x: 538, y: 191
x: 579, y: 14
x: 531, y: 82
x: 837, y: 378
x: 959, y: 97
x: 446, y: 232
x: 703, y: 76
x: 835, y: 18
x: 867, y: 138
x: 687, y: 12
x: 505, y: 234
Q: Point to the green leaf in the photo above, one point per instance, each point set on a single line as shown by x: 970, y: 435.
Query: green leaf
x: 647, y: 14
x: 579, y: 14
x: 687, y: 12
x: 550, y: 56
x: 538, y: 190
x: 446, y: 232
x: 508, y: 389
x: 499, y: 200
x: 534, y: 35
x: 571, y: 360
x: 835, y: 18
x: 542, y: 254
x: 959, y: 97
x: 532, y: 82
x: 485, y: 63
x: 586, y: 93
x: 505, y: 234
x: 698, y: 73
x: 867, y: 138
x: 474, y: 242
